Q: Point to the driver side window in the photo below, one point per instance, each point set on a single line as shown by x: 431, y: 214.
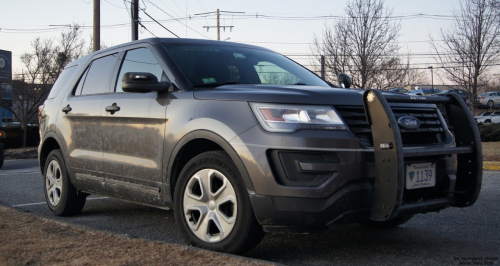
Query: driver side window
x: 138, y: 60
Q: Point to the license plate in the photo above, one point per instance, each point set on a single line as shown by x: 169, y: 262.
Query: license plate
x: 420, y: 175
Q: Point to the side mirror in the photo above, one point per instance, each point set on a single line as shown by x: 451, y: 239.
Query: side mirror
x: 344, y: 80
x: 143, y: 82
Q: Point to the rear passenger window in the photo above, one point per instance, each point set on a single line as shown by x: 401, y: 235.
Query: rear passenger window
x: 138, y: 60
x: 98, y: 76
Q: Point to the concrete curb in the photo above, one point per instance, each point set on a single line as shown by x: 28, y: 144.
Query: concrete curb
x: 493, y: 166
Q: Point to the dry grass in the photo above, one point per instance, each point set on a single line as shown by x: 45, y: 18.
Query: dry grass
x: 491, y: 151
x: 21, y: 153
x: 26, y: 239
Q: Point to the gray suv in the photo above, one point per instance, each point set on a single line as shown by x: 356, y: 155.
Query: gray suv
x: 239, y: 140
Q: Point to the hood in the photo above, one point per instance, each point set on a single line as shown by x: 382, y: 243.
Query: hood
x: 293, y: 94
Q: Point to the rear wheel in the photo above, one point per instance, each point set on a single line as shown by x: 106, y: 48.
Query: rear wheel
x: 490, y: 104
x: 61, y: 196
x: 212, y: 207
x: 387, y: 224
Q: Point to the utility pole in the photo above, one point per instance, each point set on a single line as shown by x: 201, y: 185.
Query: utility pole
x: 97, y: 25
x: 134, y: 11
x: 432, y: 79
x: 218, y: 25
x: 218, y: 22
x: 323, y: 67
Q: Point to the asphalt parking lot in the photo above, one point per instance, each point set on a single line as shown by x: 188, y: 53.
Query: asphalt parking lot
x: 454, y: 236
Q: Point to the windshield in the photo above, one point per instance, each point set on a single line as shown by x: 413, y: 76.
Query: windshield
x: 215, y: 65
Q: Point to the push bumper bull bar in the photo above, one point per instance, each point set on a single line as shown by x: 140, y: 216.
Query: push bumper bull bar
x: 390, y: 155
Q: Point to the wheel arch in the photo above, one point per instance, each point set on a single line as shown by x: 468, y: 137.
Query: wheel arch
x: 50, y: 143
x: 197, y: 142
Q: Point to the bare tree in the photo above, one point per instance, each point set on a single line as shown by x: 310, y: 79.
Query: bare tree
x: 71, y: 46
x: 363, y: 45
x: 472, y: 44
x: 43, y: 65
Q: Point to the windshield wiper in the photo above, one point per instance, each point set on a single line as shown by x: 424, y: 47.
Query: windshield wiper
x: 299, y: 83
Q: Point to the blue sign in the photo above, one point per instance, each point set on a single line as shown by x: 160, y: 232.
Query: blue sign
x: 5, y: 66
x: 430, y: 90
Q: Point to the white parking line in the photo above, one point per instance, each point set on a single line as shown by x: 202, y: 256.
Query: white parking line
x: 19, y: 172
x: 42, y: 203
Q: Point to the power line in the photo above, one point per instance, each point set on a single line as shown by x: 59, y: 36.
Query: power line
x: 417, y: 68
x: 389, y: 55
x: 113, y: 4
x: 147, y: 29
x: 177, y: 20
x: 143, y: 11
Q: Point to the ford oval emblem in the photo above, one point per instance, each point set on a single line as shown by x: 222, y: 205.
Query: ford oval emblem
x: 409, y: 122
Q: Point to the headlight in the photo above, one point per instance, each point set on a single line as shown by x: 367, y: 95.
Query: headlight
x: 292, y: 118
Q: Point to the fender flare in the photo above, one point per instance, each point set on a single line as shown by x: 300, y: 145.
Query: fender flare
x: 53, y: 135
x: 214, y: 137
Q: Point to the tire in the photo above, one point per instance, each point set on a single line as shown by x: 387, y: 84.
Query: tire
x: 490, y: 104
x: 61, y: 196
x: 487, y: 121
x: 399, y: 220
x: 212, y: 207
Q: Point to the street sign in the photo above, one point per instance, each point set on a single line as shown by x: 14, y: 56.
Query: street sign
x: 5, y: 66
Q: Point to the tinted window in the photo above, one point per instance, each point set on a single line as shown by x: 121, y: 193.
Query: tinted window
x: 99, y: 75
x: 61, y: 81
x: 138, y: 60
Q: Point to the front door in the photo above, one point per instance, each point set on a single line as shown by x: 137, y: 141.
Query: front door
x: 133, y: 129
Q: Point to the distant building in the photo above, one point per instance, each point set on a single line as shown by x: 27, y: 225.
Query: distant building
x: 5, y: 115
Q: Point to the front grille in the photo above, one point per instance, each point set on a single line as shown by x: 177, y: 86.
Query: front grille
x: 430, y: 132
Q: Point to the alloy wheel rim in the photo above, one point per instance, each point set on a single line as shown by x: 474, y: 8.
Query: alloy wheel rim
x: 54, y: 182
x: 210, y: 205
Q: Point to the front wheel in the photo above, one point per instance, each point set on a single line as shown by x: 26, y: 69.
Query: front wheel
x: 61, y: 196
x: 212, y: 207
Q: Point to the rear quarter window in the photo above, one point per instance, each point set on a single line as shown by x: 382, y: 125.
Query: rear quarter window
x: 62, y: 81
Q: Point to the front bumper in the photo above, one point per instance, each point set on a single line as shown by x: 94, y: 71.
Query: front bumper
x: 350, y: 204
x: 364, y: 183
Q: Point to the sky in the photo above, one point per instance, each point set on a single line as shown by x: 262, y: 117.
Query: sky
x: 287, y: 27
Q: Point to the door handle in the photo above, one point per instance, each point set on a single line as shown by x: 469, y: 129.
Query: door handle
x: 67, y: 109
x: 113, y: 108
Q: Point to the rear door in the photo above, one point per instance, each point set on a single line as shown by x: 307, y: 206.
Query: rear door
x: 81, y: 122
x: 133, y: 136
